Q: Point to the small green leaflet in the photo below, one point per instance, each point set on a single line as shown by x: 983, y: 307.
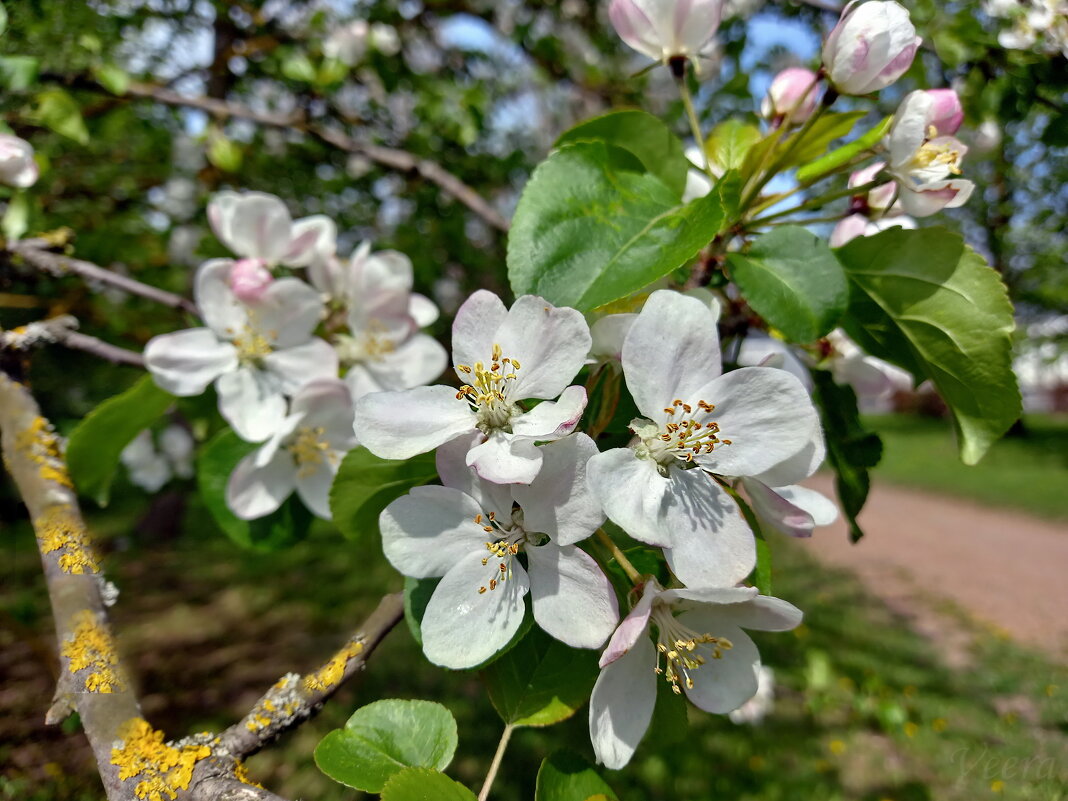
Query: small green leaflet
x: 420, y: 784
x: 565, y: 776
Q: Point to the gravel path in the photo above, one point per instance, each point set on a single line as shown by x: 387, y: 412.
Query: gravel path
x: 1004, y: 569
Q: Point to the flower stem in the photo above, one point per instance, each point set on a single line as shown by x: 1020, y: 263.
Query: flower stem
x: 619, y: 556
x: 695, y: 124
x: 816, y: 202
x: 495, y: 765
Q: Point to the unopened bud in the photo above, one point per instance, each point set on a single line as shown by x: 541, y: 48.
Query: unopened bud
x: 791, y: 95
x: 249, y: 278
x: 872, y: 46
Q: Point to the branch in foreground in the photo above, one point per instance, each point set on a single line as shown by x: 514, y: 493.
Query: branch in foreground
x: 62, y: 330
x: 293, y: 699
x: 35, y: 253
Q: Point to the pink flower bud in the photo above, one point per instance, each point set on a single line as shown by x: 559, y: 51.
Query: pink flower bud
x: 880, y: 197
x: 249, y: 278
x: 17, y: 167
x: 793, y: 93
x: 848, y: 229
x: 945, y: 114
x: 872, y: 46
x: 663, y: 29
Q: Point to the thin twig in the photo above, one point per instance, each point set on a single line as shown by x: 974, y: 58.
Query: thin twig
x: 495, y: 766
x: 34, y: 252
x: 62, y: 330
x: 293, y: 699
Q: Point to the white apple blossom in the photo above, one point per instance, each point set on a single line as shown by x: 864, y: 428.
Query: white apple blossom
x: 697, y: 425
x: 503, y: 356
x: 753, y: 711
x: 258, y: 226
x: 17, y: 166
x: 471, y: 531
x: 302, y: 455
x: 666, y: 29
x: 255, y: 353
x: 348, y: 43
x: 608, y: 334
x: 150, y: 468
x: 872, y: 46
x: 700, y: 649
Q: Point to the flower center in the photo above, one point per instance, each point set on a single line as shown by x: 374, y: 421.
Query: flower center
x: 489, y: 390
x: 370, y: 345
x: 942, y: 154
x: 683, y: 649
x: 681, y: 439
x: 503, y: 550
x: 251, y: 345
x: 310, y: 449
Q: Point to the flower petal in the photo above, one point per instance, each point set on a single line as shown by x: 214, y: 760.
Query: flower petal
x: 802, y: 464
x: 763, y: 613
x: 572, y: 597
x: 506, y: 459
x: 431, y: 529
x: 821, y: 508
x: 252, y: 403
x: 326, y: 403
x: 634, y: 626
x: 475, y: 327
x: 313, y: 487
x: 671, y: 350
x: 451, y: 461
x: 259, y: 227
x: 462, y: 627
x: 549, y: 343
x: 422, y: 309
x: 294, y: 367
x: 414, y: 363
x: 631, y: 492
x: 185, y: 362
x: 621, y: 706
x: 398, y: 425
x: 222, y: 312
x: 312, y: 239
x: 254, y: 492
x: 551, y: 420
x: 724, y: 684
x: 559, y: 502
x: 288, y: 312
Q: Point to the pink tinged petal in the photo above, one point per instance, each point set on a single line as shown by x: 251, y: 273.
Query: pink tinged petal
x: 313, y: 487
x: 935, y: 197
x: 551, y: 420
x: 622, y: 703
x: 635, y: 626
x: 221, y: 309
x: 559, y: 501
x: 462, y: 627
x: 573, y: 599
x: 288, y: 312
x: 550, y: 344
x: 946, y: 114
x: 221, y: 212
x: 417, y: 361
x: 451, y: 462
x: 506, y: 459
x: 431, y: 529
x: 724, y: 684
x: 249, y: 279
x: 475, y: 327
x: 819, y: 507
x: 185, y: 362
x: 776, y: 512
x: 255, y: 491
x: 696, y: 22
x: 765, y: 413
x: 294, y: 367
x: 848, y: 229
x: 259, y: 227
x: 762, y: 613
x: 671, y: 350
x: 312, y: 239
x: 712, y: 545
x: 379, y: 290
x: 631, y: 492
x: 251, y: 402
x: 422, y: 309
x: 635, y: 28
x: 399, y: 425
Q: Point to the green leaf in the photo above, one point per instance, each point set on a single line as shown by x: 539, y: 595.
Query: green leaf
x: 18, y: 73
x: 298, y: 67
x: 385, y: 737
x: 852, y: 450
x: 843, y: 155
x: 792, y: 279
x: 115, y: 79
x: 641, y: 134
x: 729, y: 143
x: 224, y: 153
x: 925, y: 302
x: 16, y: 220
x: 56, y: 109
x: 419, y: 784
x: 565, y: 776
x: 589, y: 229
x: 365, y: 485
x: 814, y: 142
x: 3, y: 19
x: 97, y: 441
x: 216, y: 462
x: 540, y: 681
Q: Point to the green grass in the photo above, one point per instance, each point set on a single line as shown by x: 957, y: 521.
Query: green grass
x: 866, y: 709
x: 1027, y: 472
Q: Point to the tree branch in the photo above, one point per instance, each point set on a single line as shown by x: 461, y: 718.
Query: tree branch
x: 62, y: 330
x: 293, y: 699
x: 35, y: 252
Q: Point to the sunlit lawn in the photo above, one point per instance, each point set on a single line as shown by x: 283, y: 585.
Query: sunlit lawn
x: 865, y: 710
x: 1028, y: 472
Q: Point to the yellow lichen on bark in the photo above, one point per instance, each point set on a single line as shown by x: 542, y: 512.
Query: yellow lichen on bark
x: 162, y: 769
x: 90, y: 647
x: 241, y: 774
x: 40, y: 445
x: 59, y: 529
x: 333, y: 671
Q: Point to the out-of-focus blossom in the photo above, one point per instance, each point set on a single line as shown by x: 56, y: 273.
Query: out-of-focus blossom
x: 249, y: 279
x: 794, y: 94
x: 1036, y: 24
x: 302, y: 455
x: 17, y: 167
x: 753, y: 711
x: 987, y: 136
x: 150, y: 468
x: 384, y: 39
x: 666, y: 29
x: 255, y: 225
x: 872, y: 46
x: 348, y: 43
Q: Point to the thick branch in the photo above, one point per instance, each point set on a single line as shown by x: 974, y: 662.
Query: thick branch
x: 62, y: 330
x: 35, y: 253
x: 92, y: 681
x: 293, y: 699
